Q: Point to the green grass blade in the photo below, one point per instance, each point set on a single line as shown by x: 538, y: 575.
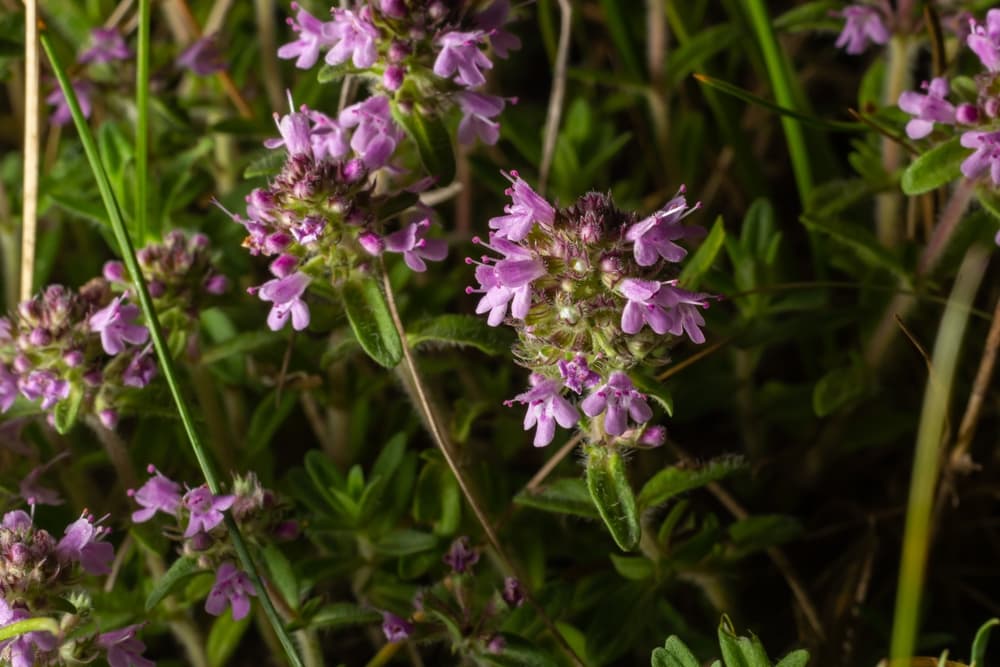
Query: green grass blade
x: 142, y: 123
x: 160, y: 342
x: 923, y: 484
x: 780, y: 74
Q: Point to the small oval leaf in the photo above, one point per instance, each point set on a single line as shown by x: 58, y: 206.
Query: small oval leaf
x: 180, y: 570
x: 611, y: 493
x: 938, y: 166
x: 371, y: 321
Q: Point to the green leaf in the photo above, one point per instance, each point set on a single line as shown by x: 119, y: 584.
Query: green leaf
x: 674, y: 654
x: 281, y: 574
x: 240, y: 344
x: 978, y: 658
x: 610, y: 490
x: 702, y: 47
x: 698, y: 264
x: 861, y: 241
x: 180, y: 570
x: 668, y: 483
x: 338, y: 615
x: 67, y: 411
x: 433, y: 143
x: 838, y: 388
x: 461, y: 331
x: 438, y: 499
x: 799, y: 658
x: 563, y: 496
x: 763, y: 531
x: 270, y: 413
x: 405, y: 542
x: 371, y: 321
x: 224, y: 638
x: 740, y: 651
x: 812, y: 16
x: 635, y: 568
x: 938, y: 166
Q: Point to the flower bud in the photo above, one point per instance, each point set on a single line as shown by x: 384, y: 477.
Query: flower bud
x: 392, y: 78
x: 109, y: 418
x: 967, y: 114
x: 372, y: 243
x: 114, y: 271
x: 216, y: 284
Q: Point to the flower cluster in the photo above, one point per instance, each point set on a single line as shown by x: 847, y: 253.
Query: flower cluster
x: 74, y: 349
x: 473, y: 629
x: 108, y: 49
x: 36, y: 570
x: 975, y: 115
x: 180, y: 277
x: 199, y: 516
x: 592, y: 291
x: 320, y: 217
x: 425, y: 53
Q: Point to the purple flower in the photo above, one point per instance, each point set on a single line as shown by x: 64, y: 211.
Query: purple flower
x: 206, y: 510
x: 492, y: 20
x: 123, y: 648
x: 461, y: 556
x: 864, y: 24
x: 496, y: 644
x: 45, y: 385
x: 31, y: 489
x: 22, y: 649
x: 328, y: 138
x: 82, y: 543
x: 232, y: 588
x: 620, y: 399
x: 577, y: 374
x: 115, y: 323
x: 61, y: 114
x: 643, y: 307
x: 376, y: 135
x: 295, y: 134
x: 526, y: 208
x: 985, y: 41
x: 513, y: 592
x: 986, y: 156
x: 395, y: 628
x: 140, y: 371
x: 928, y: 109
x: 353, y: 38
x: 309, y: 229
x: 477, y: 120
x: 286, y: 295
x: 313, y: 36
x: 202, y: 57
x: 411, y: 241
x: 654, y: 237
x: 158, y: 494
x: 460, y: 55
x: 108, y: 45
x: 505, y: 281
x: 684, y: 310
x: 546, y: 407
x: 8, y: 388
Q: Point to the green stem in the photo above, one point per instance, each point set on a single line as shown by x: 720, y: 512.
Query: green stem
x: 780, y: 74
x: 142, y: 122
x: 160, y: 343
x: 888, y: 219
x: 930, y: 437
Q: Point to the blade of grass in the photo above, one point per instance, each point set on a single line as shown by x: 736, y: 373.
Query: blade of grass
x: 160, y: 343
x: 916, y: 539
x: 142, y: 122
x: 780, y: 74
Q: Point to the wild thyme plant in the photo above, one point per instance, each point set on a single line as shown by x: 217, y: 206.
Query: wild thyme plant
x: 723, y: 395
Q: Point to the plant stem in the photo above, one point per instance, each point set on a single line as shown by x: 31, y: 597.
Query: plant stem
x: 160, y: 343
x: 29, y: 217
x: 916, y: 539
x: 440, y: 439
x: 142, y: 122
x: 557, y: 96
x: 888, y: 221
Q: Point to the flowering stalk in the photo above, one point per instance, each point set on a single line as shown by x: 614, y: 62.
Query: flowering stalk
x: 160, y: 343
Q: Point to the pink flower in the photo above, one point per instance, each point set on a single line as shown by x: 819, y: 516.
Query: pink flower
x: 313, y: 36
x: 460, y: 55
x: 526, y: 208
x: 928, y: 109
x: 620, y: 400
x: 478, y: 111
x: 123, y: 649
x: 82, y: 543
x: 233, y: 589
x: 353, y: 37
x: 206, y: 509
x: 286, y: 295
x: 158, y: 494
x: 986, y: 156
x: 546, y: 408
x: 863, y: 25
x: 411, y: 241
x: 115, y: 324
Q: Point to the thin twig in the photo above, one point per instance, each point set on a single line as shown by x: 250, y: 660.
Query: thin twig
x: 29, y: 218
x: 441, y: 440
x: 557, y: 96
x: 776, y: 555
x: 264, y: 13
x: 694, y: 358
x: 552, y: 463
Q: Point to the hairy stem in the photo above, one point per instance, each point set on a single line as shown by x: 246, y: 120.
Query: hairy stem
x: 440, y: 438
